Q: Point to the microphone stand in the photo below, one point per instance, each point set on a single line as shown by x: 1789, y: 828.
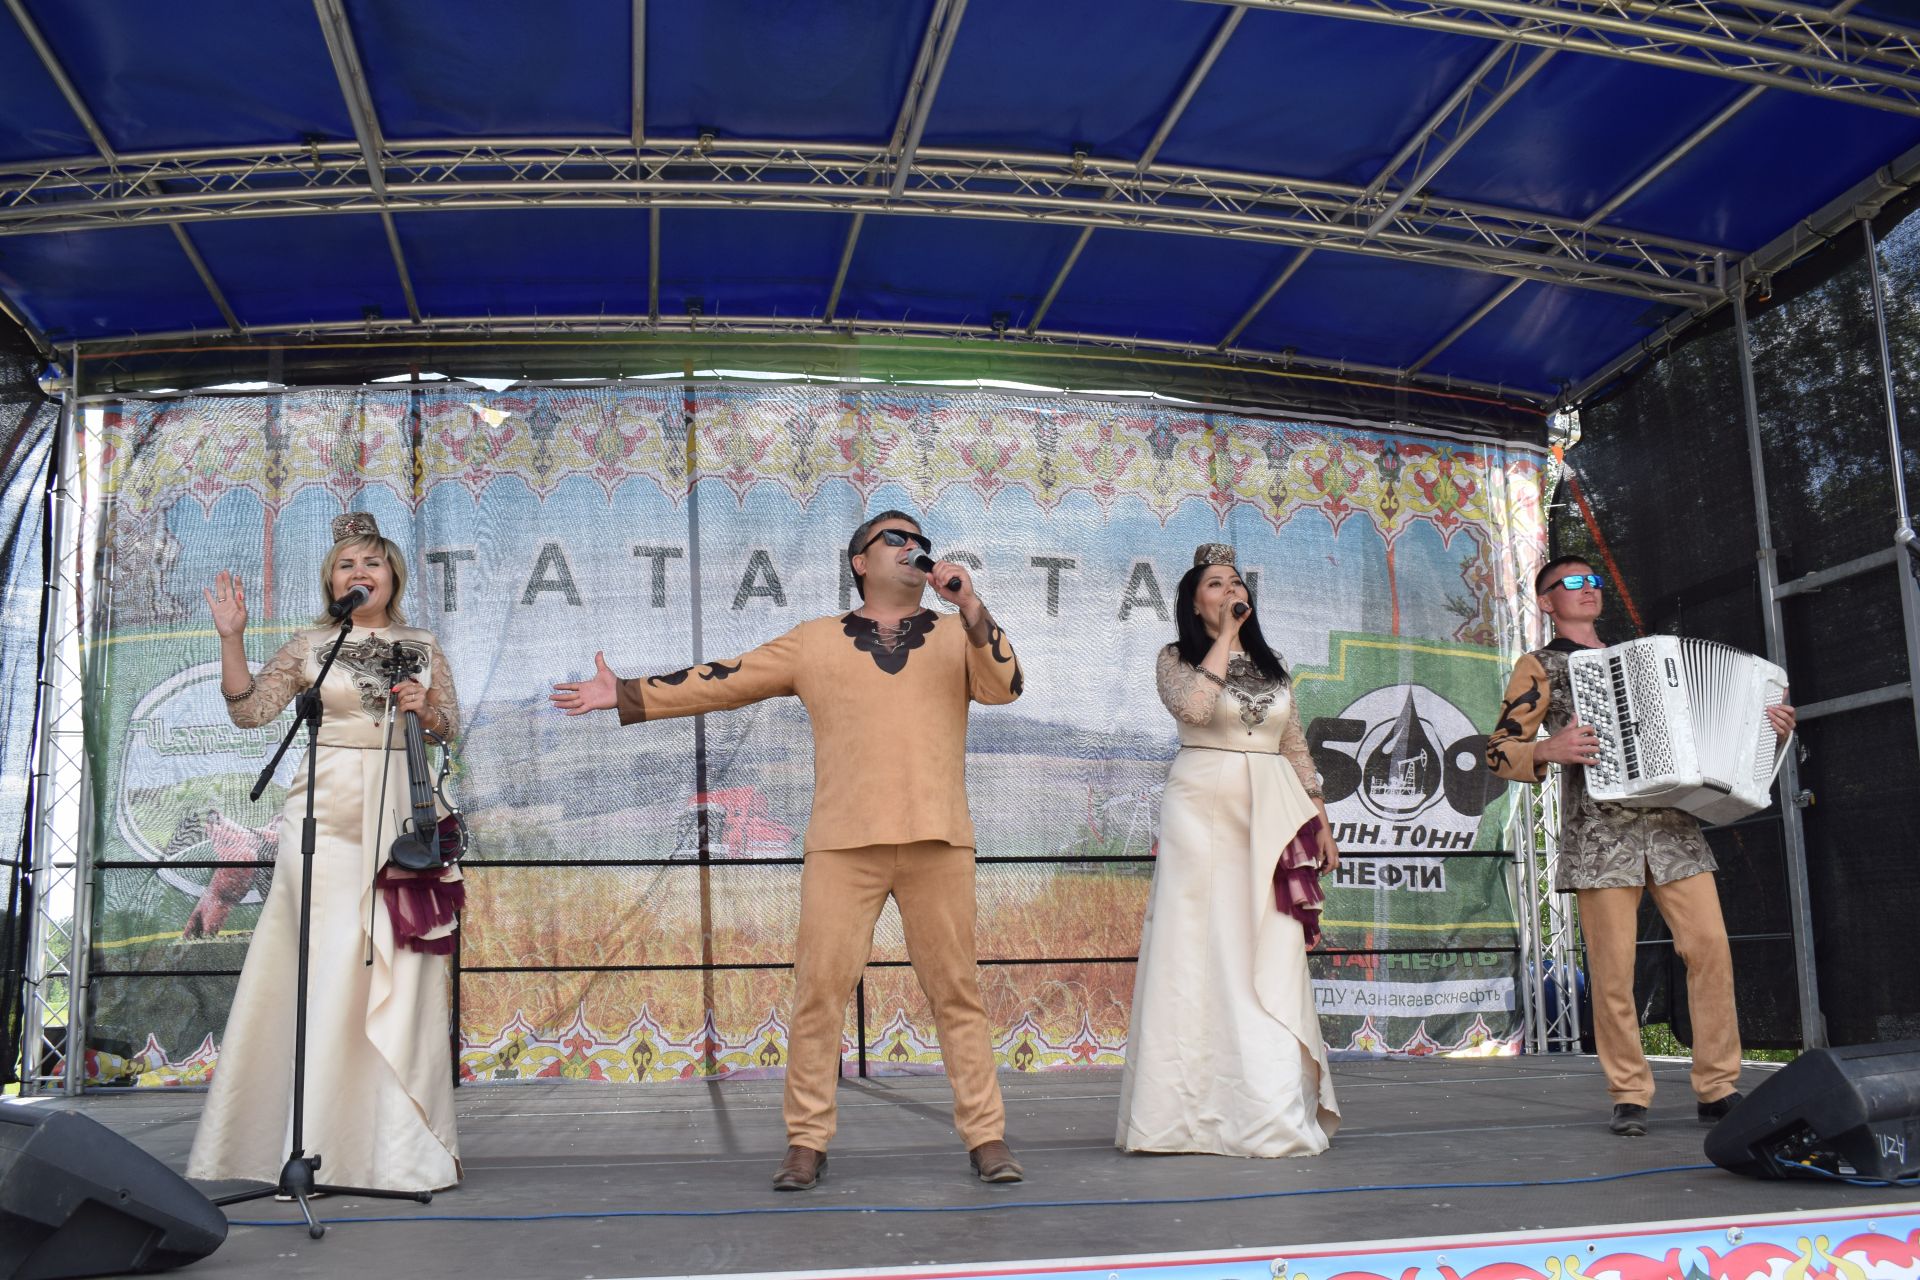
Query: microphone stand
x: 297, y: 1175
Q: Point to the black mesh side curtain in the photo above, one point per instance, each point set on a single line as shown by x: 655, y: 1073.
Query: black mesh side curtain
x: 28, y: 431
x: 1661, y: 493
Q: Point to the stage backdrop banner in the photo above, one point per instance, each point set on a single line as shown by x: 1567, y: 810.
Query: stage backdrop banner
x: 633, y: 891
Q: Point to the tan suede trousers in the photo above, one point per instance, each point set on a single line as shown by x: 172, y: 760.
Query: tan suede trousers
x: 841, y: 894
x: 1609, y: 920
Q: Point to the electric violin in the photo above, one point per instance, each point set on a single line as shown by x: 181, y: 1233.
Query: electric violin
x: 427, y: 841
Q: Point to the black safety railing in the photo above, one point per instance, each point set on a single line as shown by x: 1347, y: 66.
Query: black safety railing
x: 861, y: 1037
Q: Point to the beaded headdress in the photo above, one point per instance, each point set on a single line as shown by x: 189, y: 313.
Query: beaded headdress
x: 355, y: 524
x: 1213, y: 553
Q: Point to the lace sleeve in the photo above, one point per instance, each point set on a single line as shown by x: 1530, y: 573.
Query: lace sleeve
x: 284, y: 675
x: 442, y: 698
x: 1293, y: 745
x: 1189, y: 693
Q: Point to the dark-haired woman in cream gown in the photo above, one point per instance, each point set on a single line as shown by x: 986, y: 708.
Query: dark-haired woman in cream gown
x: 1224, y: 1053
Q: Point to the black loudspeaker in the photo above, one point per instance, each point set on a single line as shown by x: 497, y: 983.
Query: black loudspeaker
x: 1854, y: 1112
x: 76, y: 1199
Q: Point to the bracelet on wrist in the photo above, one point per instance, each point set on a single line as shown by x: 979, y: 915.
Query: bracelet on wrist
x: 241, y: 696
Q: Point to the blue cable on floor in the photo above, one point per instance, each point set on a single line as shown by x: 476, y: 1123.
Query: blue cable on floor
x: 987, y: 1208
x: 1830, y: 1175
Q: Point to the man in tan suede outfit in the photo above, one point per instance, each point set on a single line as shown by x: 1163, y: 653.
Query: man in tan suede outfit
x: 1610, y: 853
x: 887, y: 688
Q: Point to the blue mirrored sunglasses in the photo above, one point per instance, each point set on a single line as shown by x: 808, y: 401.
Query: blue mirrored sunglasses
x: 1575, y: 581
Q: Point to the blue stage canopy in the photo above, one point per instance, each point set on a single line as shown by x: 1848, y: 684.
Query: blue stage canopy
x: 1509, y: 198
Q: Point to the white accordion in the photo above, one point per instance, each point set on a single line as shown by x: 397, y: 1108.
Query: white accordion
x: 1682, y: 725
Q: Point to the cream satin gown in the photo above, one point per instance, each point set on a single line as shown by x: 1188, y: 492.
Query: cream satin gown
x: 379, y: 1089
x: 1224, y: 1053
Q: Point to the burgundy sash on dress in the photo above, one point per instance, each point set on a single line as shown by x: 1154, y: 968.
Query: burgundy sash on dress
x: 419, y: 902
x: 1296, y: 880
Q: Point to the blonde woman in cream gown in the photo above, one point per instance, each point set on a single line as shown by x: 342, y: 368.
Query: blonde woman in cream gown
x: 379, y: 1088
x: 1224, y: 1053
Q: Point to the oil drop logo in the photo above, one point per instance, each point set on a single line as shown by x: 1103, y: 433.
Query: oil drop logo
x: 1401, y: 774
x: 1402, y: 767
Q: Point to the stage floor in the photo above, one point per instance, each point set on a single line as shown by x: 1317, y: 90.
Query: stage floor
x: 695, y: 1159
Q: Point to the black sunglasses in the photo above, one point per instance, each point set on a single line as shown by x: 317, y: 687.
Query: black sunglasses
x: 899, y: 538
x: 1575, y: 581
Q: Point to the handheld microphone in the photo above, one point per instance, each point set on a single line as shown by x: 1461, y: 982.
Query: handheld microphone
x: 347, y: 603
x: 1241, y: 608
x: 924, y: 563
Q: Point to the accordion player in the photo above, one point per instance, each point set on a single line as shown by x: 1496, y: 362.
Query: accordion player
x: 1692, y: 731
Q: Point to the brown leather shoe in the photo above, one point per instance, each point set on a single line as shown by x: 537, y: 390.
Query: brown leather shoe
x: 800, y: 1170
x: 994, y: 1162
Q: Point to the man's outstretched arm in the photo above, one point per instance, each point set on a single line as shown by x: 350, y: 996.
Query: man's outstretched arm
x: 765, y: 672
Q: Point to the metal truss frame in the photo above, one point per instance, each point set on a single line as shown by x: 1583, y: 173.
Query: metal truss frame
x: 1499, y: 76
x: 1640, y: 183
x: 637, y: 73
x: 1549, y: 930
x: 1196, y: 77
x: 345, y: 56
x: 78, y: 105
x: 1784, y: 44
x: 1470, y: 107
x: 1550, y: 950
x: 610, y: 325
x: 1466, y: 111
x: 936, y: 46
x: 1780, y: 44
x: 1078, y: 190
x: 59, y: 933
x: 1863, y: 200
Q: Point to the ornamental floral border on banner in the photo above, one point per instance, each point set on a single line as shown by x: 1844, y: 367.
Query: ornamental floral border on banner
x: 799, y: 439
x: 644, y: 1051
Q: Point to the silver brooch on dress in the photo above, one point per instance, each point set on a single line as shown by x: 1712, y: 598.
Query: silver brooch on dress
x: 1254, y: 707
x: 1245, y: 679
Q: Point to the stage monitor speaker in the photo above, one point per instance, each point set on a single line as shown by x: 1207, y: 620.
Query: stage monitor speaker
x: 1853, y: 1112
x: 76, y: 1199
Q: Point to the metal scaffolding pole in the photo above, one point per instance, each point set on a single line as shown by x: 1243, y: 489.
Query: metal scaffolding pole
x: 1906, y: 548
x: 1568, y: 948
x: 942, y: 28
x: 48, y: 935
x: 1813, y: 1024
x: 1550, y: 947
x: 1533, y: 939
x: 55, y: 1005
